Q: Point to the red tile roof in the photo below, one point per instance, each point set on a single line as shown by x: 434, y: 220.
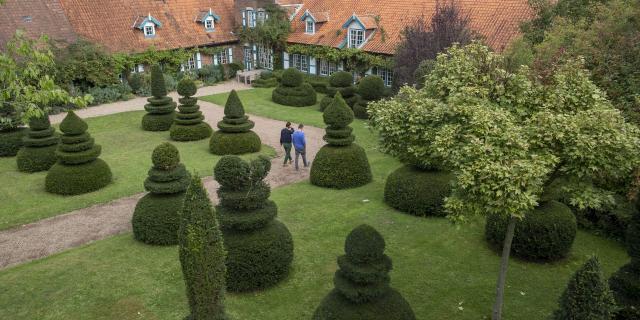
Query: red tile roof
x: 496, y: 20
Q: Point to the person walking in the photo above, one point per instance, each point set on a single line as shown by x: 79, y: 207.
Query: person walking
x: 300, y: 144
x: 285, y: 141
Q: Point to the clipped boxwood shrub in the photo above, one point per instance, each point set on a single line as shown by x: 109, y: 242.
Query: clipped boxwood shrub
x: 293, y: 90
x: 189, y: 123
x: 340, y: 81
x: 370, y: 88
x: 161, y: 108
x: 418, y: 192
x: 545, y: 234
x: 40, y: 144
x: 235, y: 135
x: 625, y: 282
x: 11, y: 141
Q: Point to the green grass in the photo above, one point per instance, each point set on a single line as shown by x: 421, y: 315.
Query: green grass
x: 445, y: 271
x: 125, y: 147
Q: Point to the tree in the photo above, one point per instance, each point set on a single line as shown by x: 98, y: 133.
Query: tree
x: 423, y: 40
x: 202, y: 254
x: 270, y: 33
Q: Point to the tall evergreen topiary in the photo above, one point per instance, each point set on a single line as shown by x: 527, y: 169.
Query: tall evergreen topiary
x: 156, y: 217
x: 235, y: 135
x: 39, y: 146
x: 259, y: 248
x: 587, y: 296
x: 342, y: 82
x: 189, y: 124
x: 202, y: 255
x: 370, y: 88
x: 78, y: 169
x: 341, y: 163
x: 293, y: 90
x: 362, y: 288
x: 161, y: 108
x: 625, y: 283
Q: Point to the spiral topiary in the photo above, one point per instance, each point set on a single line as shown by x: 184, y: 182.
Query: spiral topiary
x: 625, y: 282
x: 416, y: 191
x: 156, y: 217
x: 189, y: 124
x: 235, y: 135
x: 39, y: 146
x: 342, y: 82
x: 293, y: 90
x: 545, y: 234
x: 362, y: 288
x: 370, y: 88
x: 341, y: 163
x: 259, y: 248
x: 78, y: 169
x: 161, y: 108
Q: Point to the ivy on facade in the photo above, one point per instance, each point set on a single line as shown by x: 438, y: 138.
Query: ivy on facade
x: 355, y: 59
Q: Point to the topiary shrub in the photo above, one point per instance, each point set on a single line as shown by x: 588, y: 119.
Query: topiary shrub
x: 11, y: 141
x: 202, y: 255
x: 625, y: 282
x: 341, y: 163
x: 188, y: 124
x: 156, y: 216
x: 293, y: 91
x: 362, y: 288
x: 136, y: 82
x: 418, y: 192
x: 341, y: 81
x: 266, y: 80
x: 370, y: 88
x: 259, y: 248
x: 587, y: 296
x: 161, y: 108
x: 545, y: 234
x: 235, y: 135
x: 78, y: 169
x: 39, y: 146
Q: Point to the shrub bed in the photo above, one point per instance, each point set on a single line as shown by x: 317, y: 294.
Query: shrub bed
x: 293, y: 91
x: 40, y: 144
x: 235, y: 135
x: 341, y: 81
x: 417, y: 192
x: 160, y: 109
x: 189, y: 123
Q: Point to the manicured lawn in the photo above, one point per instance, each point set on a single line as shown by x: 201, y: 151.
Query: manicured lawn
x: 126, y: 148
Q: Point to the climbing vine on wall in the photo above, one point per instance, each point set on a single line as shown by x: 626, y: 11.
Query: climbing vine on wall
x: 355, y: 59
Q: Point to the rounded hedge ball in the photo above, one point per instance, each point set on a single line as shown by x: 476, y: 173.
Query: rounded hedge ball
x: 165, y: 156
x: 292, y: 77
x: 418, y: 192
x: 340, y: 167
x: 36, y: 159
x: 258, y: 259
x: 79, y: 178
x: 545, y: 234
x: 156, y: 218
x: 223, y: 143
x: 391, y: 306
x: 11, y: 141
x: 158, y: 122
x: 187, y: 87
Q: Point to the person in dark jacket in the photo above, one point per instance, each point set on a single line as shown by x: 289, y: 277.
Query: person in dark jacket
x: 285, y: 141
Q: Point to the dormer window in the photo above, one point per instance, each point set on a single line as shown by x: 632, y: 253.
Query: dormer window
x: 147, y: 24
x: 310, y: 26
x: 356, y: 37
x: 358, y: 27
x: 312, y: 19
x: 149, y: 30
x: 208, y: 19
x: 208, y: 24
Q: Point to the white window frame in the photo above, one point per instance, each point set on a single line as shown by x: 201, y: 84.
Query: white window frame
x: 209, y: 24
x: 300, y: 62
x: 386, y: 75
x: 327, y: 67
x: 356, y: 37
x: 251, y: 18
x: 265, y: 57
x: 262, y: 16
x: 149, y: 30
x: 310, y: 26
x: 191, y: 63
x: 222, y: 57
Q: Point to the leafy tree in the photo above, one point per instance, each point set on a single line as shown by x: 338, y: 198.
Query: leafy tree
x: 272, y: 33
x: 84, y: 65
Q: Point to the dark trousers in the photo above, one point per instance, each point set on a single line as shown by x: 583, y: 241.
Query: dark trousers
x: 287, y: 152
x: 301, y: 152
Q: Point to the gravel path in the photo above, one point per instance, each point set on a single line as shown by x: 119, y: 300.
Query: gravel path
x: 79, y: 227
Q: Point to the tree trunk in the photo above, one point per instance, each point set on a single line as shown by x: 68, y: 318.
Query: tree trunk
x: 504, y: 263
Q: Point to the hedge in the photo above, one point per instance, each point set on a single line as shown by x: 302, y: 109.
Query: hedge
x: 189, y: 123
x: 11, y: 141
x: 160, y: 109
x: 625, y: 282
x: 341, y: 81
x: 370, y: 88
x: 545, y: 234
x: 293, y: 90
x: 418, y: 192
x: 39, y: 146
x: 234, y: 135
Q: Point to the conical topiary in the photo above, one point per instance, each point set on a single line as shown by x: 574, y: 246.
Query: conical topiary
x: 587, y: 296
x: 78, y: 169
x: 161, y: 108
x: 293, y: 90
x: 39, y: 146
x: 341, y: 163
x: 625, y: 282
x: 259, y: 248
x: 340, y: 82
x: 362, y: 288
x: 189, y: 124
x: 235, y: 135
x: 156, y: 217
x: 202, y: 255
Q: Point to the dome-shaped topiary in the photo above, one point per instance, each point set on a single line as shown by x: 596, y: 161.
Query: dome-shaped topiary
x: 362, y: 288
x: 235, y: 135
x: 544, y: 234
x: 293, y: 90
x: 187, y: 87
x: 161, y: 108
x: 292, y: 77
x: 418, y: 192
x: 342, y: 82
x: 78, y: 169
x: 189, y: 123
x: 156, y: 216
x: 341, y: 79
x: 259, y: 248
x: 370, y: 88
x: 341, y: 163
x: 39, y: 146
x: 625, y: 282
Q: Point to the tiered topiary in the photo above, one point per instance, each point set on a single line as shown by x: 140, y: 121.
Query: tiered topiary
x: 11, y: 132
x: 235, y: 135
x: 341, y: 81
x: 587, y: 296
x: 293, y: 90
x: 362, y: 288
x: 418, y: 192
x: 544, y: 234
x: 202, y: 255
x: 156, y: 217
x: 189, y: 124
x: 625, y: 282
x: 78, y: 169
x: 259, y: 248
x: 341, y: 163
x: 267, y: 80
x: 161, y: 108
x: 39, y: 146
x: 370, y: 88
